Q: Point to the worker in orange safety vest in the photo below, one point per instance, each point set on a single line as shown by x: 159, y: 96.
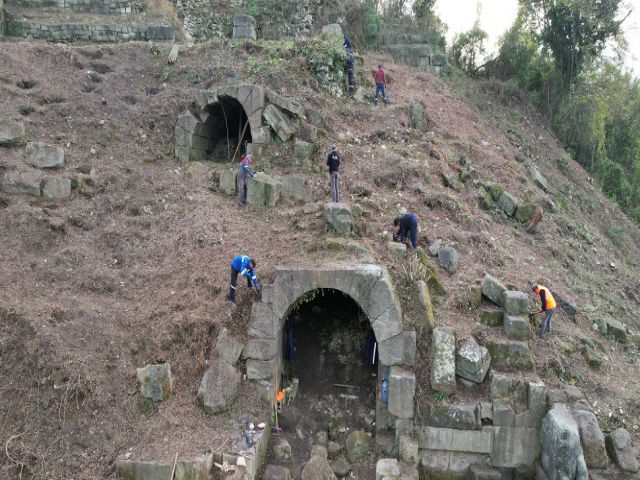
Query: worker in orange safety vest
x: 548, y: 307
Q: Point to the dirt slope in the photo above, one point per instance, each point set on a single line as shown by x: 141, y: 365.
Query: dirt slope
x: 135, y: 271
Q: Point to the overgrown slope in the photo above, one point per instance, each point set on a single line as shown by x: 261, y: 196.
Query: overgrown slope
x: 135, y: 270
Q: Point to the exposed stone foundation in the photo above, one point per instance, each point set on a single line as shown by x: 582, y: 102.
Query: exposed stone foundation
x: 87, y: 33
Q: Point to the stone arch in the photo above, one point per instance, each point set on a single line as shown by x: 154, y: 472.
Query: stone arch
x: 370, y: 286
x: 216, y: 114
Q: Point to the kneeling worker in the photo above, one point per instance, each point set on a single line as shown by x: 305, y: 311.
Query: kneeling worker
x: 408, y: 227
x: 242, y: 265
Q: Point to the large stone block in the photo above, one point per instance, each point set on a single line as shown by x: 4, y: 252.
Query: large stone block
x: 263, y: 190
x: 260, y: 369
x: 22, y: 183
x: 338, y: 216
x: 12, y: 133
x: 259, y: 349
x: 295, y: 188
x: 402, y: 390
x: 503, y: 414
x: 219, y: 387
x: 408, y: 448
x: 508, y: 203
x: 56, y: 188
x: 561, y: 453
x: 537, y: 402
x: 185, y: 469
x: 592, y: 438
x: 228, y: 347
x: 156, y: 382
x: 483, y: 472
x: 278, y: 122
x: 510, y: 354
x: 443, y: 361
x: 621, y: 451
x: 228, y: 182
x: 244, y: 33
x: 289, y: 105
x: 617, y: 330
x: 472, y: 441
x: 447, y: 465
x: 398, y: 350
x: 459, y: 417
x: 387, y: 468
x: 318, y: 468
x: 515, y: 303
x: 517, y: 328
x: 448, y: 258
x: 492, y: 317
x: 358, y: 446
x: 493, y: 290
x: 515, y: 447
x: 263, y: 321
x: 473, y: 361
x: 41, y: 155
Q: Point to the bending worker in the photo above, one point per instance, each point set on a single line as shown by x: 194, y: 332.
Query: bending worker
x: 242, y: 265
x: 548, y: 306
x: 408, y: 227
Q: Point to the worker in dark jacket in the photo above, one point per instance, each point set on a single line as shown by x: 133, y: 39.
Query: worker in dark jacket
x: 548, y: 306
x: 350, y: 73
x: 243, y: 266
x: 333, y: 162
x: 244, y: 171
x: 346, y: 43
x: 407, y: 228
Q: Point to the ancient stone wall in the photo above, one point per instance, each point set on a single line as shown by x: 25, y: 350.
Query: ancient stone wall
x: 88, y: 33
x: 1, y: 19
x: 98, y: 6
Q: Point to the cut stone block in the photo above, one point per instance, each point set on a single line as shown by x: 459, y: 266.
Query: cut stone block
x: 517, y: 328
x: 304, y: 150
x: 398, y: 350
x: 473, y: 361
x: 442, y: 464
x: 508, y: 203
x: 397, y: 249
x: 621, y: 450
x: 338, y: 216
x: 219, y: 387
x: 493, y: 290
x: 263, y: 190
x: 561, y: 453
x: 358, y: 446
x: 483, y: 472
x: 295, y: 188
x: 185, y: 469
x: 289, y: 105
x: 12, y: 133
x: 515, y: 303
x: 443, y: 361
x: 228, y: 182
x: 156, y: 382
x: 56, y: 188
x: 592, y: 438
x: 22, y: 183
x: 41, y: 155
x: 259, y: 369
x: 259, y: 349
x: 478, y: 441
x: 515, y: 447
x: 279, y: 122
x: 617, y: 330
x: 510, y: 354
x: 503, y: 414
x: 387, y: 468
x: 459, y: 417
x: 228, y: 347
x: 402, y: 389
x: 448, y: 258
x: 492, y: 317
x: 408, y: 448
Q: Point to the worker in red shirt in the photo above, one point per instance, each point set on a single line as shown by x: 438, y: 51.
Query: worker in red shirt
x: 381, y: 83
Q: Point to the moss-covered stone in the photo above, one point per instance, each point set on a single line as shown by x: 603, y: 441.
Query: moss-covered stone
x: 492, y: 317
x: 495, y: 191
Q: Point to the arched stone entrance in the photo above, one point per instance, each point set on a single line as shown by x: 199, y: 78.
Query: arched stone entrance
x: 231, y: 116
x: 370, y: 286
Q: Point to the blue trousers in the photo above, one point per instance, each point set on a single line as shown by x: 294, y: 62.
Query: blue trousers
x: 546, y: 323
x: 380, y: 90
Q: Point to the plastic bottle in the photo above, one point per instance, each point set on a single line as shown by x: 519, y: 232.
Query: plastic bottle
x: 384, y: 391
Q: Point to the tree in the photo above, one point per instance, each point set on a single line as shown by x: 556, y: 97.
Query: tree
x: 468, y: 48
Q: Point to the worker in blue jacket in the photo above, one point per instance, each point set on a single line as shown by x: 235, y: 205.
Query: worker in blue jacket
x: 242, y: 265
x: 407, y: 229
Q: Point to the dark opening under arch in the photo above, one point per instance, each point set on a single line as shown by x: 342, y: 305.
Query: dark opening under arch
x: 325, y: 348
x: 226, y: 127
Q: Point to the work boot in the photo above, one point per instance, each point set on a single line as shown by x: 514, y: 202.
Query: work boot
x: 232, y: 295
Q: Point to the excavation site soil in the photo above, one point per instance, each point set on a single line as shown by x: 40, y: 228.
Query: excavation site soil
x: 135, y: 269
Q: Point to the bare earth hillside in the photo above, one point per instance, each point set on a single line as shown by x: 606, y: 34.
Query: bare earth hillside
x: 135, y: 269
